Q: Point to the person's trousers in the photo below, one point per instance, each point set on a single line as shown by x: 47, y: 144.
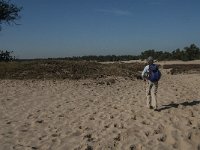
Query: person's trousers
x: 151, y: 93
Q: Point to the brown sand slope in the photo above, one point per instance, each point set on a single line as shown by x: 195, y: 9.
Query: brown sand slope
x: 88, y: 114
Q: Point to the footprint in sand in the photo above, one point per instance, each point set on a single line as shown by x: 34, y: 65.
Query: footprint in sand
x: 61, y: 115
x: 175, y: 146
x: 159, y: 129
x: 39, y: 121
x: 91, y: 118
x: 9, y: 122
x: 133, y: 147
x: 106, y: 126
x: 145, y: 122
x: 88, y: 137
x: 55, y: 135
x: 111, y: 117
x: 118, y: 138
x: 147, y: 133
x: 42, y: 137
x: 134, y: 117
x: 191, y: 113
x: 189, y: 122
x: 29, y: 116
x: 120, y: 126
x: 189, y: 135
x: 89, y: 147
x: 58, y: 106
x: 162, y: 138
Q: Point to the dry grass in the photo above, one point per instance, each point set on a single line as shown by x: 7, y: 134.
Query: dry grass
x: 183, y: 68
x: 50, y: 69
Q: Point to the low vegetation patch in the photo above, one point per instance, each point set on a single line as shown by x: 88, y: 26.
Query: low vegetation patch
x: 183, y: 68
x: 62, y: 69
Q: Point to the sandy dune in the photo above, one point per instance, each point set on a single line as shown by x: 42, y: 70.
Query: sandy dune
x: 88, y: 114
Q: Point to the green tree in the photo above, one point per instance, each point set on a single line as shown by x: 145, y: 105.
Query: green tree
x: 6, y: 56
x: 176, y: 54
x: 192, y: 52
x: 147, y: 53
x: 9, y: 12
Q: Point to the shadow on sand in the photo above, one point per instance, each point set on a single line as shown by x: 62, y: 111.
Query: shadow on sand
x: 175, y: 105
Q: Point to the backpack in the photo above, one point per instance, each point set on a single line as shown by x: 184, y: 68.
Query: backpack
x: 154, y: 73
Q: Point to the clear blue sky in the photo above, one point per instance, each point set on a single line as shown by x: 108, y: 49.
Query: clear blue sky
x: 62, y: 28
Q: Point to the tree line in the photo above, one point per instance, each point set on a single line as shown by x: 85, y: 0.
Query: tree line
x: 186, y: 54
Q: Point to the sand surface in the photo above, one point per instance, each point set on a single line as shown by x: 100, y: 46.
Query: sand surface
x: 88, y: 114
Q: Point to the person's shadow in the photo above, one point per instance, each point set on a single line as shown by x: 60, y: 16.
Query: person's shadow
x: 175, y: 105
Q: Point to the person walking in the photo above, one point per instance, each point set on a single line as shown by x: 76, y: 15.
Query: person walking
x: 151, y: 75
